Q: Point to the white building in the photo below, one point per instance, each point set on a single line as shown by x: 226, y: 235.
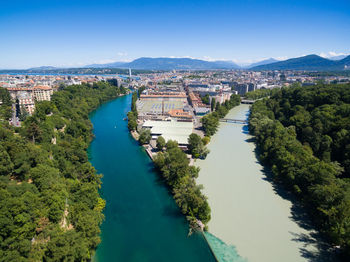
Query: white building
x: 170, y: 130
x: 42, y: 93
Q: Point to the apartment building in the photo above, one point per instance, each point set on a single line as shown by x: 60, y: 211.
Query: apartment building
x: 42, y: 93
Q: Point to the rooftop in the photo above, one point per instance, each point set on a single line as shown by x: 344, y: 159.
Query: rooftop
x: 171, y: 130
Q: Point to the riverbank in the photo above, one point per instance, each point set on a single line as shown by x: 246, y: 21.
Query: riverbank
x: 246, y: 210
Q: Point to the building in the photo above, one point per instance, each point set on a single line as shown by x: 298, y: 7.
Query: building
x: 180, y: 96
x: 221, y: 98
x: 42, y: 93
x: 170, y: 130
x: 14, y: 91
x: 157, y: 104
x: 26, y: 101
x: 200, y: 108
x: 180, y: 114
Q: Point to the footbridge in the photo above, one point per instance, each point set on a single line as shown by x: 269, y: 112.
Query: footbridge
x: 232, y: 120
x: 247, y: 101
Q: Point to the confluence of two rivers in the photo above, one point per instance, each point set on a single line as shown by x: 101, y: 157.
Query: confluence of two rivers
x: 143, y: 223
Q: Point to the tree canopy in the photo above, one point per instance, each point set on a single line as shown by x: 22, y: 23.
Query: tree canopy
x: 44, y: 171
x: 210, y: 122
x: 196, y: 146
x: 145, y: 136
x: 160, y: 143
x: 174, y: 167
x: 303, y: 134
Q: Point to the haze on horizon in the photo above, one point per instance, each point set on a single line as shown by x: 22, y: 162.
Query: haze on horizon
x: 76, y: 33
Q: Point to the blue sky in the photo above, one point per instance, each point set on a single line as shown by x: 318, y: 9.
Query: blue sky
x: 75, y: 32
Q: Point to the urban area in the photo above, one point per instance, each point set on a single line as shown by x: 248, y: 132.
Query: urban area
x: 171, y: 104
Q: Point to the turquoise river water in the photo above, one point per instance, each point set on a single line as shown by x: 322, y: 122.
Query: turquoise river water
x: 142, y: 221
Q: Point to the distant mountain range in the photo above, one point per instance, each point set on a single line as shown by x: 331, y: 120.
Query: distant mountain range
x: 338, y: 57
x: 43, y: 68
x: 308, y: 63
x: 263, y: 62
x: 109, y: 65
x: 164, y: 63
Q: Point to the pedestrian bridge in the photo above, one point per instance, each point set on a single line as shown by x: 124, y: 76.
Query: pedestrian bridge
x: 231, y: 120
x: 247, y: 101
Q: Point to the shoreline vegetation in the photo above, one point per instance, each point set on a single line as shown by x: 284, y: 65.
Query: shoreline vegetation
x: 49, y: 198
x: 303, y: 134
x: 174, y: 166
x: 210, y: 122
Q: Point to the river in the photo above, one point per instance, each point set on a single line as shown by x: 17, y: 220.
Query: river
x: 256, y: 223
x: 142, y: 221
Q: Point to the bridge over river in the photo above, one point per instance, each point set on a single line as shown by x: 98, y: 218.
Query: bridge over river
x: 247, y: 101
x: 232, y: 120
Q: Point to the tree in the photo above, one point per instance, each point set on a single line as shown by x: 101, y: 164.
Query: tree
x: 33, y: 131
x: 217, y: 106
x: 132, y: 121
x: 5, y: 107
x: 213, y: 103
x: 210, y: 124
x: 160, y: 143
x: 206, y: 99
x: 140, y: 90
x: 196, y: 146
x: 133, y: 103
x: 171, y: 144
x: 145, y: 136
x: 6, y: 165
x: 206, y: 140
x: 61, y: 86
x: 23, y: 114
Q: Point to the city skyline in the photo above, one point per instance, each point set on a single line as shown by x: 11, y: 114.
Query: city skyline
x: 65, y: 34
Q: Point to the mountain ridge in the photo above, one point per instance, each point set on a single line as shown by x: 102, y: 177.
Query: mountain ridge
x: 308, y: 63
x: 262, y: 62
x: 166, y: 63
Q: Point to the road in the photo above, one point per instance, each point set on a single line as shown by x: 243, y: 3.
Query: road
x: 15, y: 120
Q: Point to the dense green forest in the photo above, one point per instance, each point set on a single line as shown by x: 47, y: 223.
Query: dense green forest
x: 173, y: 165
x: 5, y: 105
x: 132, y: 114
x: 260, y: 93
x: 210, y: 122
x: 50, y: 208
x: 303, y: 134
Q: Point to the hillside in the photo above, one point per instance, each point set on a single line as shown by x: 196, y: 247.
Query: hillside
x: 308, y: 63
x: 109, y: 65
x: 50, y: 206
x: 263, y: 62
